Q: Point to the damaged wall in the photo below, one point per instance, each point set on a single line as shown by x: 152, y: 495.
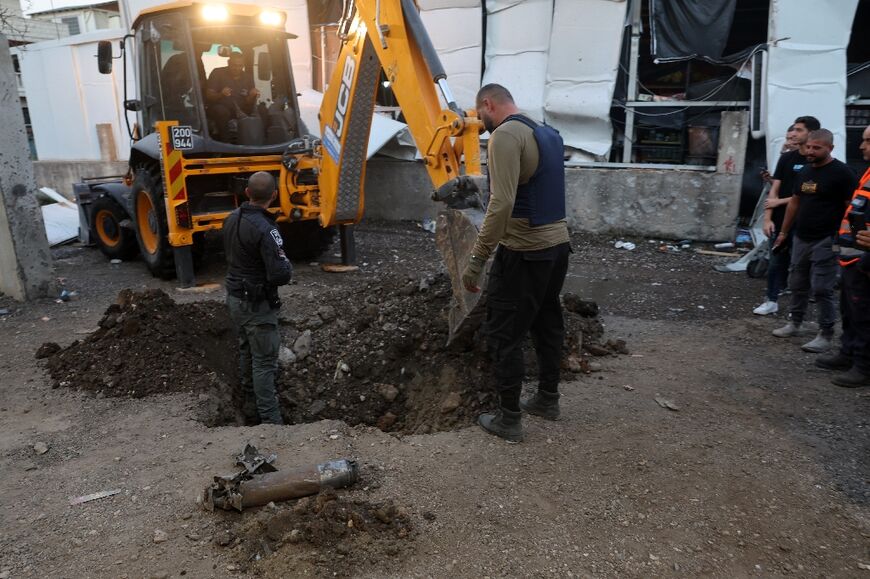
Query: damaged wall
x: 662, y: 203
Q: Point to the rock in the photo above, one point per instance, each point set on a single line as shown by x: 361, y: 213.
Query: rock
x: 317, y: 407
x: 295, y: 536
x: 617, y: 346
x: 386, y: 421
x: 408, y: 289
x: 584, y: 308
x: 451, y: 402
x: 160, y: 536
x: 573, y: 364
x: 596, y: 350
x: 40, y: 448
x: 326, y: 313
x: 595, y: 367
x: 424, y: 285
x: 302, y: 345
x: 286, y: 357
x: 47, y: 350
x: 314, y: 322
x: 387, y: 391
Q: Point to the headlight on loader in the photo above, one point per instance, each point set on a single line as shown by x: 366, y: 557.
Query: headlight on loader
x: 215, y: 13
x: 271, y: 18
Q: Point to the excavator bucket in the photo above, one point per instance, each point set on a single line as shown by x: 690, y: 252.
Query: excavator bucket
x: 455, y: 234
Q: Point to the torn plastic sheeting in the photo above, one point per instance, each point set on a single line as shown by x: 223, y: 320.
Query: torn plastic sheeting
x: 806, y: 67
x: 519, y: 61
x: 455, y: 28
x: 686, y: 29
x: 384, y: 130
x: 446, y: 4
x: 582, y: 69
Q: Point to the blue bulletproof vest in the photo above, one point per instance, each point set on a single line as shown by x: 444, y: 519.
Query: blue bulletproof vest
x: 542, y: 199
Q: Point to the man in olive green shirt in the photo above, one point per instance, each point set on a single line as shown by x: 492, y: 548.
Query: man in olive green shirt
x: 525, y: 227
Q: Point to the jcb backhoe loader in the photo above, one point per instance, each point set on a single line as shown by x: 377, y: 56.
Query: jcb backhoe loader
x: 189, y: 164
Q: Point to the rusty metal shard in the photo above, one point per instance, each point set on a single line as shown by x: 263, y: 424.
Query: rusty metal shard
x: 455, y: 234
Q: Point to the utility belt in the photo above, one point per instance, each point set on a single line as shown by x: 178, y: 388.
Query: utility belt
x: 255, y: 293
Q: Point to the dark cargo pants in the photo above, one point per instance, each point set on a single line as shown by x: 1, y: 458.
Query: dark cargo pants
x: 813, y: 268
x: 855, y: 310
x: 259, y: 342
x: 523, y: 296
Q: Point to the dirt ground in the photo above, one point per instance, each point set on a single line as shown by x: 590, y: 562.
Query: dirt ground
x: 762, y: 470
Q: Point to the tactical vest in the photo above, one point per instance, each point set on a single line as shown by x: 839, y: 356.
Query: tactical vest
x: 542, y: 199
x: 850, y: 255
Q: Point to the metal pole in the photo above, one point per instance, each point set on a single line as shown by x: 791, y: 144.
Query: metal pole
x: 323, y: 58
x: 628, y: 138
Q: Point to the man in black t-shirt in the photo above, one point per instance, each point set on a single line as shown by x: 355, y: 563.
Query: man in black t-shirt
x: 823, y: 190
x: 230, y: 90
x: 789, y: 165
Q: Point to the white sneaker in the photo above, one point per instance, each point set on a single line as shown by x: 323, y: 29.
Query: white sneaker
x: 787, y: 331
x: 821, y: 343
x: 766, y: 309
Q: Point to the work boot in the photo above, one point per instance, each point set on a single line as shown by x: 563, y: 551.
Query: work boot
x: 503, y: 423
x: 854, y: 378
x: 788, y: 330
x: 543, y: 404
x: 821, y: 343
x: 835, y: 361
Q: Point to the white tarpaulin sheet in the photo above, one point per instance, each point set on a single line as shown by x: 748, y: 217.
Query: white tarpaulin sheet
x: 563, y: 67
x: 517, y: 49
x: 582, y: 71
x: 806, y: 67
x: 455, y: 27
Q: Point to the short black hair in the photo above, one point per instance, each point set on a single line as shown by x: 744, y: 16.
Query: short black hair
x: 495, y: 92
x: 823, y: 135
x: 790, y: 128
x: 261, y: 185
x: 811, y: 123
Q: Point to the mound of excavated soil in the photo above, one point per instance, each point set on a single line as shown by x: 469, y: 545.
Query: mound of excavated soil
x: 321, y: 535
x: 373, y: 354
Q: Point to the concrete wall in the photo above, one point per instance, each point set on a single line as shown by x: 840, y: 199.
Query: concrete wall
x: 60, y: 175
x: 662, y: 203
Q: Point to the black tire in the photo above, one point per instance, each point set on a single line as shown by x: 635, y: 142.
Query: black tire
x: 150, y: 221
x: 757, y: 268
x: 114, y: 241
x: 305, y: 240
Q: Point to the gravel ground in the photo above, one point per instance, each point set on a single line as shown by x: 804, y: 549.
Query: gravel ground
x: 760, y: 467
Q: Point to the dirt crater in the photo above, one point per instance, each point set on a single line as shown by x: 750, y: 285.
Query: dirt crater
x: 374, y: 354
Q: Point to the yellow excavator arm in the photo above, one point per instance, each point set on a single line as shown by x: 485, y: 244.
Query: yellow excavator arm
x: 389, y: 35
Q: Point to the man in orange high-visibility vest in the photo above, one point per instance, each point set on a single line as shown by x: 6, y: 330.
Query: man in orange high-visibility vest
x: 854, y: 241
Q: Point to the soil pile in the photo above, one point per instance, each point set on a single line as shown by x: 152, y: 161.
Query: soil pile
x: 373, y: 354
x: 321, y: 535
x: 147, y: 344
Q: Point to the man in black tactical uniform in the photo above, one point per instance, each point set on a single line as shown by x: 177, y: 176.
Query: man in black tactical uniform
x: 256, y: 266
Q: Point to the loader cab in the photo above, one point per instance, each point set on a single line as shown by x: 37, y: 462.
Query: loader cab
x: 185, y: 60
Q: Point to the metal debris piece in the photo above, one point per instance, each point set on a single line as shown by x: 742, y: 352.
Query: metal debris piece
x: 261, y: 483
x: 93, y: 497
x: 665, y: 403
x: 254, y: 462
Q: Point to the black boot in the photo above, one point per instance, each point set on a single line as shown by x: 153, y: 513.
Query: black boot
x: 503, y: 423
x: 854, y: 378
x: 835, y: 361
x: 543, y: 404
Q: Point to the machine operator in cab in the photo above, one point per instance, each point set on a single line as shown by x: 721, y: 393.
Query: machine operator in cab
x: 230, y: 94
x: 525, y: 227
x: 256, y: 267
